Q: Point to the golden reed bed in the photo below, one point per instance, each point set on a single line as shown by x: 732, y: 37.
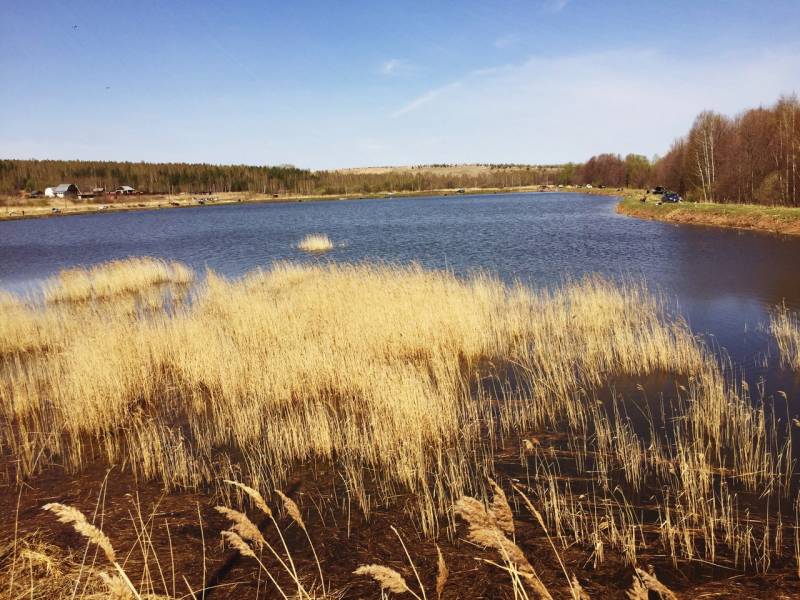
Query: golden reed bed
x: 407, y: 382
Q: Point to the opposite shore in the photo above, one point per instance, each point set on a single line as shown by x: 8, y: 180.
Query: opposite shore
x: 633, y: 202
x: 61, y: 208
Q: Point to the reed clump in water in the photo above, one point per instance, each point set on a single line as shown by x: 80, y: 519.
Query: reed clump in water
x: 785, y: 326
x: 114, y: 278
x: 315, y: 242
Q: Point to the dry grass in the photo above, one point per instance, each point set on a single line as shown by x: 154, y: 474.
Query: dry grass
x: 39, y: 570
x: 315, y: 242
x: 785, y: 326
x: 114, y: 278
x: 407, y: 381
x: 377, y: 369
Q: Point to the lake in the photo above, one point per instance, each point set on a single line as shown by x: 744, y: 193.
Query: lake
x: 724, y: 282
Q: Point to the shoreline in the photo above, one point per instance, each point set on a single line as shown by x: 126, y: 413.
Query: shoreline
x: 15, y: 212
x: 782, y: 220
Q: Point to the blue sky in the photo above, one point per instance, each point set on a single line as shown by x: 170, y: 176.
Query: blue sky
x: 338, y: 84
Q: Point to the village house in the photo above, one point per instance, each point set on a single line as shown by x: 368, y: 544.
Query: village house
x: 125, y: 190
x: 64, y: 190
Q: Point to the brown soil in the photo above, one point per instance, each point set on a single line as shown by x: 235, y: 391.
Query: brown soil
x: 343, y: 539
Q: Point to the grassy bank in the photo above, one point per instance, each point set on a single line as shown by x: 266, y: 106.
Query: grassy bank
x: 379, y: 397
x: 775, y: 219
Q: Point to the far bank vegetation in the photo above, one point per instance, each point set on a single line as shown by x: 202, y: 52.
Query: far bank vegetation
x: 753, y: 157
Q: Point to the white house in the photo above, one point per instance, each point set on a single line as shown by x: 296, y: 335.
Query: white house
x: 64, y: 190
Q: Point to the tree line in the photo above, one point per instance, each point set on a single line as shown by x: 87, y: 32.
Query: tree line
x: 172, y: 178
x: 752, y: 157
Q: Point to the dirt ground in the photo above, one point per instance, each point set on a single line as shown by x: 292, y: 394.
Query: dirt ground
x: 185, y: 532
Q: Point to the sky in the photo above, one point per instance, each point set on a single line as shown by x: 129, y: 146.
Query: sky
x: 343, y: 84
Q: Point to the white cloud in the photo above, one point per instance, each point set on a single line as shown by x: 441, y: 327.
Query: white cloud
x: 425, y: 98
x: 393, y: 66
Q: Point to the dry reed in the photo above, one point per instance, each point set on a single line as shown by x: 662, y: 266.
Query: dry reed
x: 411, y: 379
x: 785, y: 327
x: 75, y: 518
x: 388, y: 579
x: 315, y: 242
x: 113, y: 278
x: 442, y: 573
x: 269, y: 358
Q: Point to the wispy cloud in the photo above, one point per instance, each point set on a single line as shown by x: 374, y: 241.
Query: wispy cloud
x: 393, y: 66
x: 425, y: 98
x: 554, y: 109
x: 507, y: 40
x: 555, y: 6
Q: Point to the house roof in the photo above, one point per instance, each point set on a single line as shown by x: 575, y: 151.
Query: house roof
x: 64, y: 187
x: 126, y: 188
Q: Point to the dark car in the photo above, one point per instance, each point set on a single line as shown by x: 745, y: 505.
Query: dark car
x: 670, y: 197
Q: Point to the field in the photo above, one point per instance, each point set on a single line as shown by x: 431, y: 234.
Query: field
x: 776, y: 219
x: 322, y: 431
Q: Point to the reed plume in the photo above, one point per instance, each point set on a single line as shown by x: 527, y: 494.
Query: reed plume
x: 389, y: 579
x: 484, y: 531
x: 237, y: 543
x: 443, y: 573
x: 500, y: 509
x: 242, y: 525
x: 291, y: 508
x: 72, y: 516
x: 254, y: 495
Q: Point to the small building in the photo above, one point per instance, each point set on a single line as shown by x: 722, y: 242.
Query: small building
x: 125, y: 190
x: 64, y: 190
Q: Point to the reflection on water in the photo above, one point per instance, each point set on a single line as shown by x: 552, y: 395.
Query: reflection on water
x: 723, y: 281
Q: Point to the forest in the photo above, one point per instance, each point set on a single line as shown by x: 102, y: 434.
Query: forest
x: 749, y: 158
x: 172, y: 178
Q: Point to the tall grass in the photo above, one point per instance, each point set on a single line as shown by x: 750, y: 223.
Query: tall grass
x: 374, y: 363
x: 785, y: 326
x: 407, y: 381
x: 114, y: 278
